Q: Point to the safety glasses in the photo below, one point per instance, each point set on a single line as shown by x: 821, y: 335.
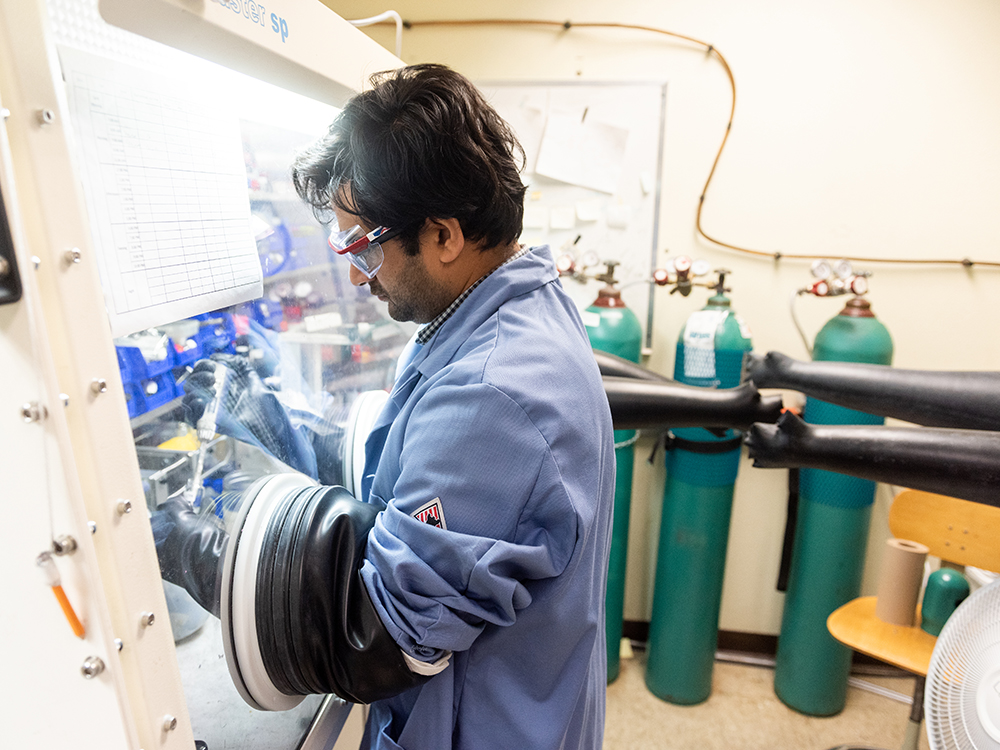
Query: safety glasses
x: 363, y: 250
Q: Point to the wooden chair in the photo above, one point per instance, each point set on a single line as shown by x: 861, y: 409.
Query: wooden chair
x: 959, y: 532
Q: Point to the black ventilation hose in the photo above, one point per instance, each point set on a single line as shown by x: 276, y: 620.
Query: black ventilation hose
x: 317, y: 627
x: 618, y: 367
x: 958, y: 463
x: 640, y: 404
x: 962, y: 400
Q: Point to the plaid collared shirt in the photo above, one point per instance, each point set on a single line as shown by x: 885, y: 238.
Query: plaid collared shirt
x: 425, y: 333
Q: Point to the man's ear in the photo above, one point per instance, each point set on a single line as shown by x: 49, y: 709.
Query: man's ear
x: 445, y: 238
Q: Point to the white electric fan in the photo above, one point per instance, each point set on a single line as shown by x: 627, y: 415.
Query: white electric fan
x: 962, y: 695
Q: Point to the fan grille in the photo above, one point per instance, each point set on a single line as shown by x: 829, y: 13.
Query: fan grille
x: 967, y: 651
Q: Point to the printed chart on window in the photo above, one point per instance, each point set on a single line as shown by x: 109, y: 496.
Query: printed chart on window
x: 165, y: 180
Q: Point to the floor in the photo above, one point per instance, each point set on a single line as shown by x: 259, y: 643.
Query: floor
x: 743, y: 713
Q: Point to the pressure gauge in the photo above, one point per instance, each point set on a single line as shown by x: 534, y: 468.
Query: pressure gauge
x: 821, y: 269
x: 682, y: 264
x: 844, y: 269
x: 700, y: 268
x: 590, y: 258
x: 661, y: 276
x: 859, y: 285
x: 565, y: 263
x: 821, y: 288
x: 668, y: 265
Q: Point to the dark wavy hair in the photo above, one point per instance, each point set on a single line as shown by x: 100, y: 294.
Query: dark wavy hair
x: 421, y: 143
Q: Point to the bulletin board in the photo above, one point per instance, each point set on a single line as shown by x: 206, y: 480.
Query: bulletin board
x: 594, y: 160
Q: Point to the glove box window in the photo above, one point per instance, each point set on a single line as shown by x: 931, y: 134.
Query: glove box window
x: 220, y: 389
x: 220, y: 399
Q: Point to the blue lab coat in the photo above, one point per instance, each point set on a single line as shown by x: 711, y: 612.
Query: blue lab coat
x: 494, y: 458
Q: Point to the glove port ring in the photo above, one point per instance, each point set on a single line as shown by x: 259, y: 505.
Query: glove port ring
x: 238, y: 601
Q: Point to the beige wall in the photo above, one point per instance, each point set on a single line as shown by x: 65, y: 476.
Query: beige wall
x: 863, y: 127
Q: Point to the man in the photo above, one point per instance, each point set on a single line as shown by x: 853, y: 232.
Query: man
x: 494, y: 457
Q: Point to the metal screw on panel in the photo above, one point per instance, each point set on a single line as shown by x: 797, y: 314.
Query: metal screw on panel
x: 64, y: 545
x: 119, y: 644
x: 147, y: 619
x: 92, y: 525
x: 72, y: 256
x: 169, y: 723
x: 4, y: 113
x: 32, y: 411
x: 124, y: 506
x: 92, y: 666
x: 46, y: 116
x: 36, y: 261
x: 4, y: 267
x: 99, y: 385
x: 64, y: 397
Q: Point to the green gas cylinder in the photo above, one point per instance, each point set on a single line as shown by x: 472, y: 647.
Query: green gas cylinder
x: 831, y: 535
x: 614, y: 329
x: 697, y: 504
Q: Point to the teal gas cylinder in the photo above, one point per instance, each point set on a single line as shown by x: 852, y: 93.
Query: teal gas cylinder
x: 614, y: 329
x: 831, y: 535
x: 697, y: 503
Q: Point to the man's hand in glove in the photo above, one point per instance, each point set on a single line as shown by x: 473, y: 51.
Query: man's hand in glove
x: 249, y: 411
x: 190, y: 548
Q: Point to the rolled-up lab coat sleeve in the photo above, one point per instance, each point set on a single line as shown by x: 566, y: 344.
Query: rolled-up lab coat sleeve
x: 506, y: 519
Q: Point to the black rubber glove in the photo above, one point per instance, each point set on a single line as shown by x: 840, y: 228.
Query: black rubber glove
x: 249, y: 412
x: 190, y: 548
x: 617, y: 367
x: 639, y: 404
x: 963, y: 400
x: 957, y: 463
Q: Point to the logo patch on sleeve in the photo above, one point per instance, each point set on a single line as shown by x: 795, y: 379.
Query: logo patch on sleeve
x: 431, y: 513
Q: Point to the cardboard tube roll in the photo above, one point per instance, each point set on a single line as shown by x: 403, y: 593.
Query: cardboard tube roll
x: 899, y: 582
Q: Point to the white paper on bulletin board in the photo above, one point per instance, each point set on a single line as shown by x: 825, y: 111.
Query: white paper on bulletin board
x: 582, y: 152
x: 165, y: 180
x: 592, y: 153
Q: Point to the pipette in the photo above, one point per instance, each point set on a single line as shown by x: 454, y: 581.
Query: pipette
x: 207, y: 427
